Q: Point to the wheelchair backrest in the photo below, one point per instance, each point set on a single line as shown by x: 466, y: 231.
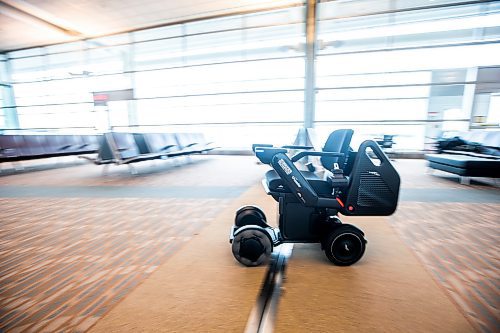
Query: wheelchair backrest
x: 374, y: 183
x: 338, y: 142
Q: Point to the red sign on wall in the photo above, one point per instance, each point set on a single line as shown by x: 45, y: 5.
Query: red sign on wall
x: 101, y: 98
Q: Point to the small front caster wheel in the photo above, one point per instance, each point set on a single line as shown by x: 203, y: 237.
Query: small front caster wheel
x: 252, y: 247
x: 345, y: 245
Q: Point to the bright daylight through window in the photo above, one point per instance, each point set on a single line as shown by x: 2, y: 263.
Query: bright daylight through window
x: 382, y: 67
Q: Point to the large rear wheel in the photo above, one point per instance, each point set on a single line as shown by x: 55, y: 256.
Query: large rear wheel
x: 345, y: 245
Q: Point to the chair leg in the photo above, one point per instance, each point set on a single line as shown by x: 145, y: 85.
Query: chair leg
x: 105, y: 169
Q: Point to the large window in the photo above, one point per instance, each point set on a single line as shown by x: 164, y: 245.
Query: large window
x: 494, y: 110
x: 245, y: 71
x: 228, y: 77
x: 4, y: 86
x: 407, y: 68
x: 399, y: 64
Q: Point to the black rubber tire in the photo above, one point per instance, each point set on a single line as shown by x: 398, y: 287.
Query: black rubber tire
x: 252, y: 247
x: 345, y: 245
x: 250, y: 215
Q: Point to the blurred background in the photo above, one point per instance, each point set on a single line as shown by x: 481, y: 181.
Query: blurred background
x: 237, y: 70
x: 85, y: 249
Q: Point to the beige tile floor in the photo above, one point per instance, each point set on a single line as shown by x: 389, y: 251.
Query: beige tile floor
x: 67, y: 257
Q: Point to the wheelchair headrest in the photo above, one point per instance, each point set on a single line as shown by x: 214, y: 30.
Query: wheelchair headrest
x: 337, y: 142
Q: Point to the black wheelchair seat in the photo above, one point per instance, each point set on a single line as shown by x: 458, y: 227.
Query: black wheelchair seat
x: 337, y: 142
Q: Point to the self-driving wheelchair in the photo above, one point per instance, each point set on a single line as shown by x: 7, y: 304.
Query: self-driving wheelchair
x: 353, y: 183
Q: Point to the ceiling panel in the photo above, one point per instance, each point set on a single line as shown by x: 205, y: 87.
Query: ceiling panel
x: 29, y: 23
x: 16, y: 34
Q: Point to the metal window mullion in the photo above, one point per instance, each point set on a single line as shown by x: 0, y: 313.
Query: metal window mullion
x: 310, y: 64
x: 9, y: 98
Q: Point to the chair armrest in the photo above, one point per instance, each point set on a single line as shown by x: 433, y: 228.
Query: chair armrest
x: 168, y: 147
x: 138, y: 158
x: 303, y: 154
x: 297, y: 147
x: 97, y: 161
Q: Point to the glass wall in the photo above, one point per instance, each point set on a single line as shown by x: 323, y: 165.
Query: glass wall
x: 230, y: 77
x: 3, y: 91
x: 409, y: 68
x: 402, y: 67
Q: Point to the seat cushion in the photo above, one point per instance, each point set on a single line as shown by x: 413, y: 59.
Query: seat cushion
x: 465, y: 165
x: 276, y: 184
x: 464, y: 161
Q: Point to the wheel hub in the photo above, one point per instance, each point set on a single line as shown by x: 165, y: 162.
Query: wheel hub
x: 347, y: 247
x: 251, y: 248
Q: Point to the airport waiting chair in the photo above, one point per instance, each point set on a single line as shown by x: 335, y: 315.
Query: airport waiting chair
x: 201, y: 143
x: 125, y: 149
x: 164, y: 144
x: 186, y: 143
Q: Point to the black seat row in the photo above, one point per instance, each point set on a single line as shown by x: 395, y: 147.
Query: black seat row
x: 125, y: 148
x: 26, y: 147
x: 468, y: 154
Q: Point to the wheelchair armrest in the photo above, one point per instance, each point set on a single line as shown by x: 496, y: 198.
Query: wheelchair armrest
x: 303, y: 154
x: 298, y: 184
x: 266, y: 154
x: 256, y: 145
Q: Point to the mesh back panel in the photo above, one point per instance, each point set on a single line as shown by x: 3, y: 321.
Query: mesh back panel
x: 373, y: 188
x: 373, y: 191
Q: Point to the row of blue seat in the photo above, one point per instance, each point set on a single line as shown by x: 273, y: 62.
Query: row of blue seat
x: 125, y: 148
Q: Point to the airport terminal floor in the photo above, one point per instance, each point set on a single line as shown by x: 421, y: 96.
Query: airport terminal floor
x: 82, y: 250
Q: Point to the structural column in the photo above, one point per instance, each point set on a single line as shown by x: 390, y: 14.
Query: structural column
x: 128, y: 60
x: 469, y: 93
x: 310, y: 75
x: 9, y: 102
